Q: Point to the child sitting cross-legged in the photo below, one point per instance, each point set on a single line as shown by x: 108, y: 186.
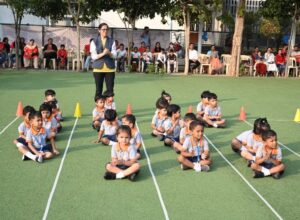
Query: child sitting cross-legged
x: 213, y: 114
x: 136, y: 138
x: 55, y: 114
x: 109, y: 100
x: 50, y: 95
x: 185, y: 130
x: 268, y: 159
x: 108, y: 127
x: 124, y: 157
x: 159, y: 117
x: 49, y: 122
x: 194, y: 151
x: 202, y: 104
x: 37, y: 138
x: 98, y: 112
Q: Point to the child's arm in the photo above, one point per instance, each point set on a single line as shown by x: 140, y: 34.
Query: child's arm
x: 32, y: 148
x: 101, y: 132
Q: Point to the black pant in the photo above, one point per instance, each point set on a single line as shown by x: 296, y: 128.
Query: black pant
x: 109, y: 81
x: 49, y: 56
x: 193, y: 65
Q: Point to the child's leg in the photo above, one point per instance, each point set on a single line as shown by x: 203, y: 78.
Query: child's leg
x: 25, y: 151
x: 132, y: 169
x: 185, y: 162
x: 48, y: 155
x: 168, y: 142
x: 236, y: 145
x: 277, y: 169
x: 206, y: 162
x: 247, y: 155
x: 268, y: 170
x: 113, y: 168
x: 105, y: 140
x: 96, y: 125
x: 221, y: 122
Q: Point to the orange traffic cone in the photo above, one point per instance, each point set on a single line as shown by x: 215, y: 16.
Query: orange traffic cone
x: 129, y: 110
x: 242, y: 114
x: 190, y: 109
x: 19, y: 112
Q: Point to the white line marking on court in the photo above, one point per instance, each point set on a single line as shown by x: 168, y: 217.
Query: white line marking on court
x: 247, y: 122
x: 58, y: 173
x: 245, y: 180
x: 154, y: 180
x: 7, y: 126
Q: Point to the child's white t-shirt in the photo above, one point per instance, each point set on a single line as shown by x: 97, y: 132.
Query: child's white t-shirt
x: 201, y: 107
x: 112, y: 106
x: 157, y: 121
x: 38, y: 140
x: 108, y: 128
x: 96, y: 113
x: 123, y: 155
x: 212, y: 111
x: 137, y: 138
x: 188, y: 146
x: 23, y: 129
x: 262, y: 153
x: 167, y: 124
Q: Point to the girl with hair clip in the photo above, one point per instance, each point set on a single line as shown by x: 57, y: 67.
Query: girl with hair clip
x: 166, y: 96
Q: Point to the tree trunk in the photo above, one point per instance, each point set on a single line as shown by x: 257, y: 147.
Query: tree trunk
x: 237, y: 41
x: 200, y: 25
x: 78, y: 46
x: 186, y: 17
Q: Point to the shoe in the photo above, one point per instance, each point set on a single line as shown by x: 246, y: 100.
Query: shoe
x: 205, y: 168
x: 197, y: 167
x: 276, y: 175
x: 153, y: 135
x: 39, y: 159
x: 24, y: 157
x: 109, y: 176
x: 258, y: 174
x: 132, y: 176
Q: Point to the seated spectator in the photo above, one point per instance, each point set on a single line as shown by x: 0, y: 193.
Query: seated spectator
x: 216, y: 65
x: 280, y: 62
x: 178, y: 49
x: 2, y: 53
x: 260, y: 64
x: 142, y: 48
x: 156, y: 50
x: 14, y: 51
x: 172, y: 59
x: 270, y: 60
x: 31, y: 52
x: 170, y: 47
x: 87, y: 56
x: 50, y: 51
x: 193, y: 58
x: 121, y: 58
x: 147, y: 58
x: 161, y: 60
x: 62, y: 56
x: 6, y: 49
x: 296, y: 54
x: 135, y: 59
x: 254, y: 55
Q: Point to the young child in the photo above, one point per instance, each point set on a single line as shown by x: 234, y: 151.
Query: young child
x: 166, y: 96
x: 135, y: 59
x: 248, y: 142
x: 109, y: 100
x: 62, y: 56
x: 159, y: 117
x: 50, y: 95
x: 136, y: 138
x: 23, y: 129
x: 171, y: 57
x: 55, y: 114
x: 203, y: 104
x: 147, y: 58
x: 98, y: 112
x: 161, y: 60
x: 124, y: 158
x: 185, y: 131
x: 172, y: 125
x: 268, y: 159
x: 212, y: 113
x: 108, y: 127
x: 49, y: 121
x: 195, y: 150
x: 36, y: 138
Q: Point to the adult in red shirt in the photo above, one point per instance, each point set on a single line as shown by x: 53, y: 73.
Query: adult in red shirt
x: 50, y: 51
x: 31, y: 52
x: 87, y: 56
x: 280, y: 62
x: 62, y: 56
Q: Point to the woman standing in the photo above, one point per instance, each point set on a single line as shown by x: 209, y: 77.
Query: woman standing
x: 103, y: 51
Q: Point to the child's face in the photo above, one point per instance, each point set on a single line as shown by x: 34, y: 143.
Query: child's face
x: 187, y: 123
x: 197, y: 132
x: 50, y: 98
x: 36, y: 122
x: 163, y: 112
x: 213, y: 102
x: 177, y: 115
x: 100, y: 103
x: 271, y: 142
x: 125, y: 122
x: 110, y: 99
x: 123, y: 138
x: 45, y: 114
x: 204, y: 100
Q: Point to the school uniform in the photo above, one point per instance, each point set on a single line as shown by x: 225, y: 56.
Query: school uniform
x: 136, y: 138
x: 111, y: 106
x: 196, y: 148
x: 50, y: 124
x: 23, y: 129
x: 38, y: 139
x: 275, y: 155
x: 97, y: 113
x: 119, y: 154
x: 167, y: 124
x: 109, y: 130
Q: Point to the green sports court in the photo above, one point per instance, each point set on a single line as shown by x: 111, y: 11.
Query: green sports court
x: 71, y: 186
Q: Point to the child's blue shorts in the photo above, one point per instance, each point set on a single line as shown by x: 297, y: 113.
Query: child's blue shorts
x: 194, y: 159
x: 22, y: 141
x: 47, y: 148
x: 110, y: 137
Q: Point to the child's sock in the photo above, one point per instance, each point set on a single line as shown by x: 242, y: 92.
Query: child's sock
x: 120, y: 175
x: 19, y: 144
x: 265, y: 171
x: 215, y: 125
x: 30, y: 155
x: 197, y: 167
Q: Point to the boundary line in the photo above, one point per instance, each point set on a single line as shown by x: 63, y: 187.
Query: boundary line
x: 289, y: 149
x: 245, y: 180
x: 163, y: 206
x: 58, y: 173
x: 7, y: 126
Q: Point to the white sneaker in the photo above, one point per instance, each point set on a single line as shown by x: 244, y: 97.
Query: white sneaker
x: 39, y: 159
x: 215, y: 125
x: 205, y: 168
x: 197, y: 167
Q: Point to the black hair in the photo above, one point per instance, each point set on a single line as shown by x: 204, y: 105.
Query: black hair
x: 162, y: 103
x: 172, y: 109
x: 165, y: 94
x: 101, y: 25
x: 194, y: 124
x: 171, y: 50
x: 261, y: 125
x: 35, y: 114
x: 110, y: 115
x: 205, y: 94
x: 62, y: 45
x: 130, y: 118
x: 107, y: 94
x: 98, y: 97
x: 190, y: 116
x: 124, y: 128
x: 45, y: 107
x: 53, y: 104
x: 4, y: 39
x: 50, y: 92
x: 121, y: 44
x: 212, y: 96
x: 162, y: 50
x: 91, y: 40
x: 268, y: 134
x: 32, y: 40
x: 27, y: 109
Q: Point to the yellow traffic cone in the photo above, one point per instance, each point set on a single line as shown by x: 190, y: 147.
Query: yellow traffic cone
x: 297, y: 116
x: 77, y: 113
